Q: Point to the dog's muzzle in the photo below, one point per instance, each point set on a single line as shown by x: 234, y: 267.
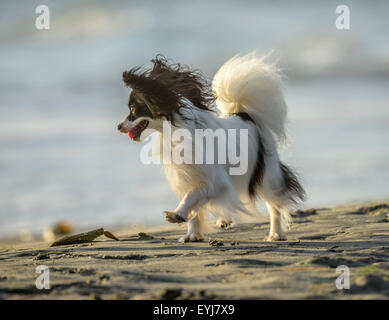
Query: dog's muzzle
x: 134, y: 133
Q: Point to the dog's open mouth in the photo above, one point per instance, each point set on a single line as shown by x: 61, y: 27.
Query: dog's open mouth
x: 135, y: 132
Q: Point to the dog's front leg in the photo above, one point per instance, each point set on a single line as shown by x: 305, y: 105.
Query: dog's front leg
x: 191, y: 201
x: 195, y: 227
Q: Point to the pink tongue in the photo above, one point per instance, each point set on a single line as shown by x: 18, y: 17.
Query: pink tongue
x: 130, y: 134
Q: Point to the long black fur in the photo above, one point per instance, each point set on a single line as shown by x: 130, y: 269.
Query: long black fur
x: 291, y: 184
x: 259, y: 169
x: 162, y: 87
x: 257, y: 175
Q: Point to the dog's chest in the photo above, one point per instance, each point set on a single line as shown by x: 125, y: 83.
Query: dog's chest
x: 182, y: 178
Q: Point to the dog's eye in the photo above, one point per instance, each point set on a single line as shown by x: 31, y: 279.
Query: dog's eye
x: 132, y: 110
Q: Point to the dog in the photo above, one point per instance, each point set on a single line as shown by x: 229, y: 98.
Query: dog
x: 245, y: 94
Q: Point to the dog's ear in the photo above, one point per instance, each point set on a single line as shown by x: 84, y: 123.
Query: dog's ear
x: 157, y: 96
x: 184, y: 81
x: 140, y: 81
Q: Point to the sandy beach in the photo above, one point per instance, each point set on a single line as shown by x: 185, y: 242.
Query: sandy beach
x: 230, y: 264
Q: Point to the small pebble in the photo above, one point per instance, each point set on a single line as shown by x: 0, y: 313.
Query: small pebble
x: 216, y: 243
x: 41, y: 256
x: 144, y: 236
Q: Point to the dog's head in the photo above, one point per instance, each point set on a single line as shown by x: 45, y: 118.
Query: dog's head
x: 142, y: 104
x: 157, y: 95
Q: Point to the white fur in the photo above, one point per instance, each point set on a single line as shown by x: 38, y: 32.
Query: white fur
x: 243, y: 84
x: 248, y: 84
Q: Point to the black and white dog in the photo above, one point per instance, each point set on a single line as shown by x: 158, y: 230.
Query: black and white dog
x: 247, y: 94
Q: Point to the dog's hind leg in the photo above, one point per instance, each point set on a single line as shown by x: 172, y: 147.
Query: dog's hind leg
x: 271, y: 191
x: 195, y: 228
x: 276, y: 233
x: 280, y: 190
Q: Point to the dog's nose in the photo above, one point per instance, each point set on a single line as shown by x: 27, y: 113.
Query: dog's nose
x: 119, y: 126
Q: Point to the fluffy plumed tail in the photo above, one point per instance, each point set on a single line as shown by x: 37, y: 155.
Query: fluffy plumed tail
x: 248, y: 84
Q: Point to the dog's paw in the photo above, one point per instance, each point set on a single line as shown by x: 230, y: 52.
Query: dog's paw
x: 192, y: 237
x: 275, y: 237
x: 223, y: 224
x: 173, y: 217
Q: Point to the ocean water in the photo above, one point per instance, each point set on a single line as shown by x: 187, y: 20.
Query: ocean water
x: 61, y: 98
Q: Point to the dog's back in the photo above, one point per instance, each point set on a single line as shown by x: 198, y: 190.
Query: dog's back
x: 246, y: 84
x: 249, y: 100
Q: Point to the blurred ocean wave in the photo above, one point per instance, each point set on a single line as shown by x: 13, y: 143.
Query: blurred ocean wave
x: 61, y: 97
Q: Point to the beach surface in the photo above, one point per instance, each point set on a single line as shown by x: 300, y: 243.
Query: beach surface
x: 230, y: 264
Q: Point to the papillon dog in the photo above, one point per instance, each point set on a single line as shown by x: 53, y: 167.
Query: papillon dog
x: 245, y: 94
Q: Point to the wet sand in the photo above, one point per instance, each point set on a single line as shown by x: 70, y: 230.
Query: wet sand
x: 238, y: 265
